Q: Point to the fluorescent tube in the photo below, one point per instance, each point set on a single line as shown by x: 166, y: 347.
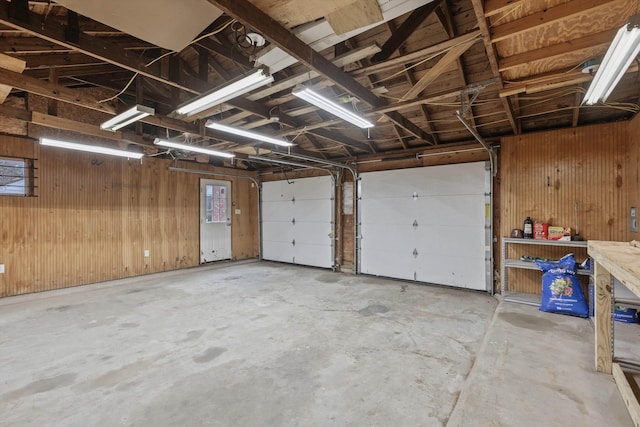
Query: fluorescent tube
x: 224, y: 93
x: 194, y: 148
x: 131, y: 115
x: 329, y: 106
x: 247, y: 134
x: 90, y: 148
x: 623, y: 50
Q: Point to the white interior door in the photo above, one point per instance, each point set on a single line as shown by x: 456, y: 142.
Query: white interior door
x: 427, y: 224
x: 215, y: 220
x: 297, y: 221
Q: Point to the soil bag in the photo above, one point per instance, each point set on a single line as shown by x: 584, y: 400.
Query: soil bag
x: 561, y: 288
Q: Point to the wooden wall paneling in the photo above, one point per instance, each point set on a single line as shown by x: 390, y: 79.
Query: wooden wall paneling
x: 95, y: 216
x: 633, y: 172
x: 544, y: 174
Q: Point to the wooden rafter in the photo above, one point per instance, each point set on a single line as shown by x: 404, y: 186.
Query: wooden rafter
x: 494, y: 7
x: 549, y: 52
x: 545, y: 17
x: 446, y: 19
x: 281, y: 37
x: 402, y: 33
x: 493, y: 60
x: 423, y: 108
x: 89, y: 45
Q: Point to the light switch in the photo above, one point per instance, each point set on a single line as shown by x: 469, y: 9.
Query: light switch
x: 633, y: 219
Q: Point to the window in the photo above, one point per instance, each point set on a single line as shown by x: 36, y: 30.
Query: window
x: 16, y: 177
x: 215, y: 203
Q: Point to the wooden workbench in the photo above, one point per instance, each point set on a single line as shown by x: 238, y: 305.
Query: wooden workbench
x: 622, y: 261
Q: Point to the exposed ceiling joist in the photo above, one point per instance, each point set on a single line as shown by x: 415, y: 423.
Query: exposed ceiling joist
x: 281, y: 37
x: 546, y: 17
x: 402, y: 33
x: 89, y: 45
x: 494, y: 7
x: 493, y: 60
x: 53, y: 91
x: 414, y: 56
x: 548, y: 53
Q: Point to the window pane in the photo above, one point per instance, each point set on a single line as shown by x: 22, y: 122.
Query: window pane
x: 13, y: 177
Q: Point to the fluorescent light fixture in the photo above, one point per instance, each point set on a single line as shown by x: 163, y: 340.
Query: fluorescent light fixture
x: 131, y: 115
x: 90, y: 148
x: 194, y: 148
x: 247, y: 134
x: 323, y: 103
x: 231, y: 90
x: 623, y: 50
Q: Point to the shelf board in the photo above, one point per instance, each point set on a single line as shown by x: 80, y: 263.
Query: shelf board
x: 571, y: 243
x: 516, y: 263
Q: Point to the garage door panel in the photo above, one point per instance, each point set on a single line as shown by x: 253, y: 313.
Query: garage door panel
x: 398, y: 264
x: 439, y: 226
x: 311, y: 210
x: 278, y: 251
x: 299, y: 211
x: 277, y: 211
x: 447, y: 271
x: 277, y: 191
x: 386, y: 211
x: 278, y: 232
x: 452, y: 210
x: 312, y: 254
x: 312, y: 232
x: 440, y: 240
x: 382, y: 237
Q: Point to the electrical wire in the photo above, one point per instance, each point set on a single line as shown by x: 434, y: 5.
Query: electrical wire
x: 212, y: 33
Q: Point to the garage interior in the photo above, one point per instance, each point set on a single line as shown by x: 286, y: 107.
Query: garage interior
x: 329, y: 242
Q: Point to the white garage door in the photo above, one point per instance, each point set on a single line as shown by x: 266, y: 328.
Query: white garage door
x: 297, y: 221
x: 427, y: 224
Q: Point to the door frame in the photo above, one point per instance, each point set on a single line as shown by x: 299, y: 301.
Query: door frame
x: 229, y: 222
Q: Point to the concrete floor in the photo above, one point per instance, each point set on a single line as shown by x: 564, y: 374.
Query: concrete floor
x: 263, y: 344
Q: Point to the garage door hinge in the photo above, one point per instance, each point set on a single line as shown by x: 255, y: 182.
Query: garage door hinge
x: 293, y: 221
x: 415, y: 253
x: 293, y: 242
x: 293, y: 200
x: 415, y: 195
x: 415, y: 224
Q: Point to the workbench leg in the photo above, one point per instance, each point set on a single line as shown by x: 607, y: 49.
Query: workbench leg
x: 603, y: 319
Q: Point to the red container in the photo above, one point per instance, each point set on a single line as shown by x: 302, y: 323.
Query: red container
x: 540, y: 230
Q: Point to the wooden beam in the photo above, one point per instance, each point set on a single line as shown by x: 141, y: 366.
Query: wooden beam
x: 13, y: 64
x: 493, y: 60
x: 494, y: 7
x: 89, y: 45
x: 442, y: 65
x: 446, y: 19
x: 561, y: 78
x: 415, y: 56
x: 402, y: 33
x: 626, y: 385
x: 258, y: 20
x: 342, y: 60
x: 226, y: 52
x: 557, y: 50
x: 51, y: 121
x: 54, y: 91
x: 546, y: 17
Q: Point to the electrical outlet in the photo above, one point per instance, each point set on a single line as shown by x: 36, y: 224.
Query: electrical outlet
x: 146, y: 253
x: 633, y: 219
x: 1, y: 268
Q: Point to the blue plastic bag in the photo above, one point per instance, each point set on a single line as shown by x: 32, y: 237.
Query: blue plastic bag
x: 561, y: 288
